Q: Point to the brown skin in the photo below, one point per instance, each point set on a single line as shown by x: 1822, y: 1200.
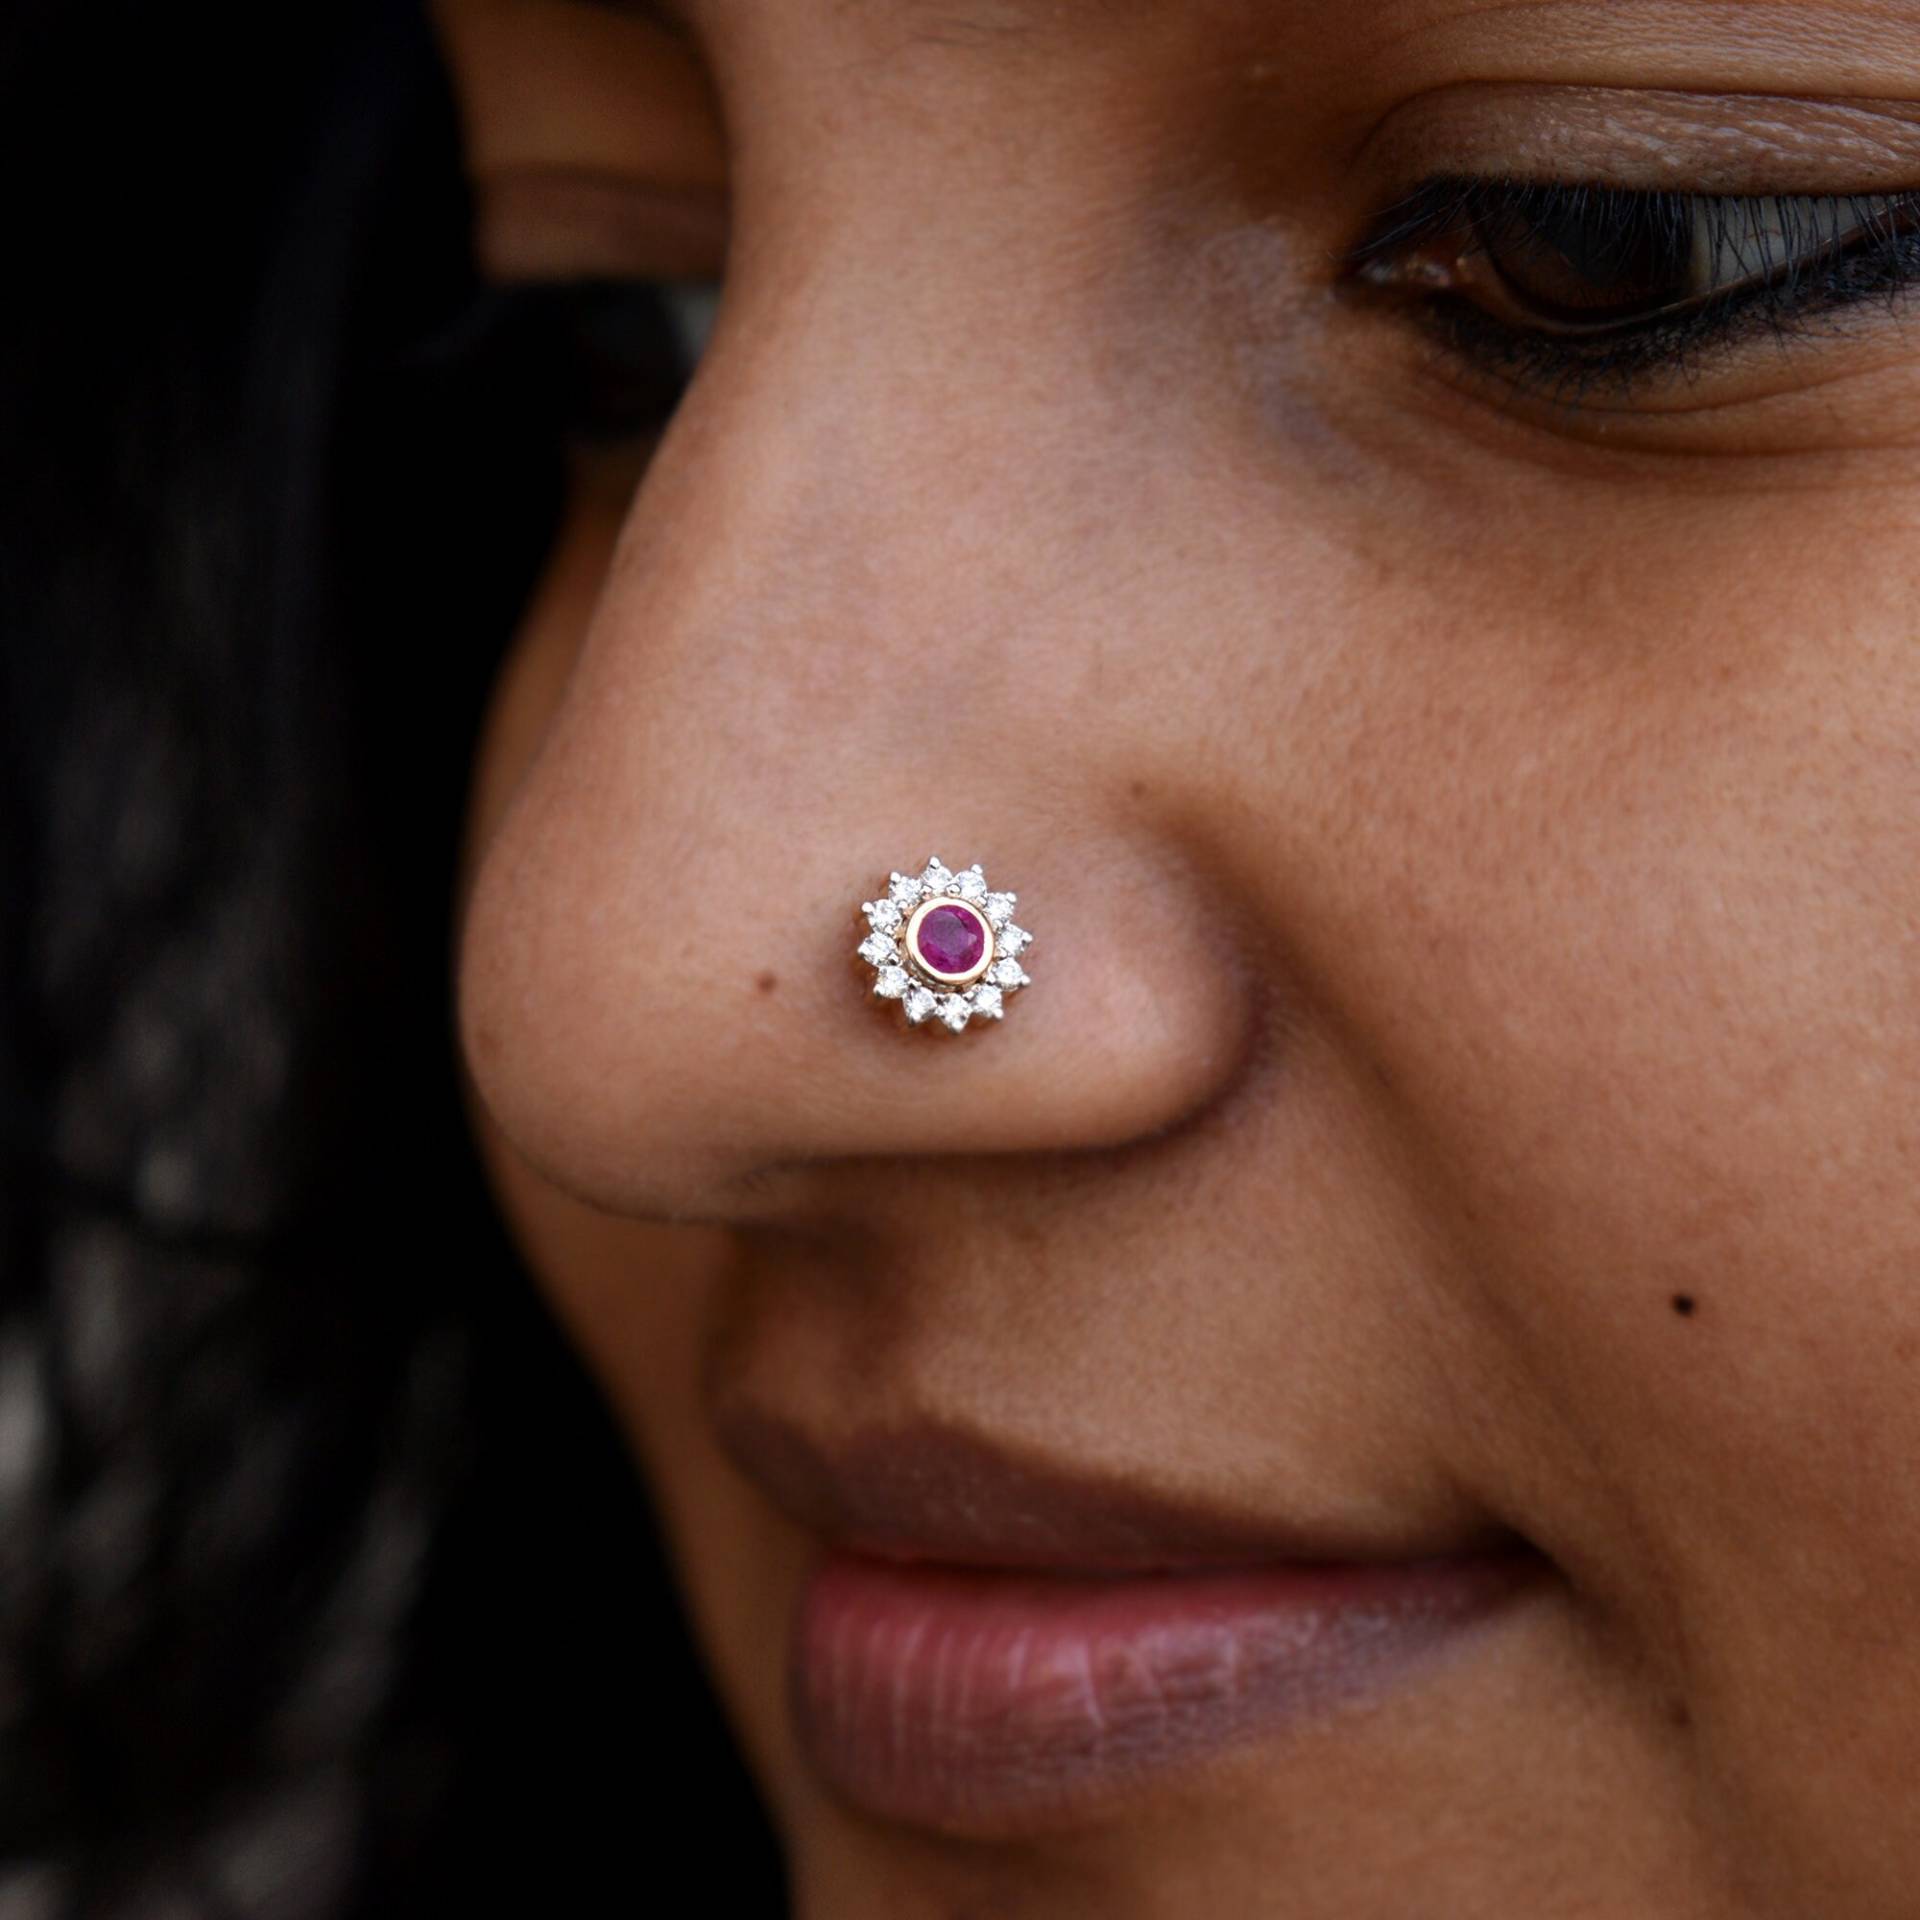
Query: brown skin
x: 1472, y: 845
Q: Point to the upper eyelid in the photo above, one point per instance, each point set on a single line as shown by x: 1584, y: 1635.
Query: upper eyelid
x: 1644, y: 140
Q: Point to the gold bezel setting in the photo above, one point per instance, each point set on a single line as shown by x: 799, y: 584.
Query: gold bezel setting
x: 902, y: 973
x: 915, y: 951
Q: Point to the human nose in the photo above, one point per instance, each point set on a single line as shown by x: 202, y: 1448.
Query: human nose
x: 851, y: 623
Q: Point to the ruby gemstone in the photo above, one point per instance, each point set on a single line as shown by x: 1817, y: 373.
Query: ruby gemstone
x: 951, y: 939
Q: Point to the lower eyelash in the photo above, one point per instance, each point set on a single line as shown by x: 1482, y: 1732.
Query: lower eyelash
x: 1680, y: 347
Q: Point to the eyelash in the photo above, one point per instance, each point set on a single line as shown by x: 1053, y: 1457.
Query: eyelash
x: 1822, y: 273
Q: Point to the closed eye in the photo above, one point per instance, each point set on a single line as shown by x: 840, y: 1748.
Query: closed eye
x: 1573, y: 279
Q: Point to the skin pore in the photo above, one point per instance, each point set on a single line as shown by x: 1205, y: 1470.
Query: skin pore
x: 1461, y: 774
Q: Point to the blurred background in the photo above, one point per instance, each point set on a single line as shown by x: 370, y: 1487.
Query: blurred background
x: 326, y: 1587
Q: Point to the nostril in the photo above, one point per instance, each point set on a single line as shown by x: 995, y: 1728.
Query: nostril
x: 650, y: 1049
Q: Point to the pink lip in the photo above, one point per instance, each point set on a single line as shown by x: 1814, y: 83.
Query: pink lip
x: 978, y: 1701
x: 997, y: 1643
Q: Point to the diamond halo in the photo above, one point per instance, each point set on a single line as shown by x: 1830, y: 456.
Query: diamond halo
x: 944, y: 946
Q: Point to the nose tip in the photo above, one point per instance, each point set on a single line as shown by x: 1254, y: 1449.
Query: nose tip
x: 649, y: 1048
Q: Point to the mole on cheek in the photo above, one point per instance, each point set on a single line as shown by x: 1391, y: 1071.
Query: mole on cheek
x: 766, y: 982
x: 1683, y: 1304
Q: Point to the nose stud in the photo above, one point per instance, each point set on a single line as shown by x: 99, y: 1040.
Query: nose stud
x: 944, y: 946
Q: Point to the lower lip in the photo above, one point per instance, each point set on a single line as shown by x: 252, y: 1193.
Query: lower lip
x: 981, y: 1701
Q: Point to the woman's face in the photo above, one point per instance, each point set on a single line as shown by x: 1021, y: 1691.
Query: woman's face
x: 1437, y: 654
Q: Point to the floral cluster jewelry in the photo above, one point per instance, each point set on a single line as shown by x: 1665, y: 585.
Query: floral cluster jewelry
x: 944, y: 946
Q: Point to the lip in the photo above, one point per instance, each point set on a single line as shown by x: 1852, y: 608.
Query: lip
x: 990, y: 1702
x: 926, y: 1492
x: 989, y: 1646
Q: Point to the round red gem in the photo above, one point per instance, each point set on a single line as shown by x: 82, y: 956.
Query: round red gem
x: 951, y: 939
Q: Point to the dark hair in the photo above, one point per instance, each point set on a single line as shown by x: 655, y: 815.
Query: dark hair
x: 325, y: 1582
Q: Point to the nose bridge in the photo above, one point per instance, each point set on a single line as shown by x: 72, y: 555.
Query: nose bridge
x: 832, y: 494
x: 890, y: 440
x: 843, y: 633
x: 869, y: 569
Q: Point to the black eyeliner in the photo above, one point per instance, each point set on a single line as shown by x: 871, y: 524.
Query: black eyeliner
x: 1832, y: 253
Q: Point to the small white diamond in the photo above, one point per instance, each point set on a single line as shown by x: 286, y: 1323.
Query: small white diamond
x: 954, y: 1010
x: 936, y: 879
x: 904, y: 890
x: 999, y: 908
x: 1007, y: 973
x: 893, y: 982
x: 1009, y: 940
x: 986, y: 1002
x: 918, y: 1003
x: 879, y: 951
x: 972, y: 884
x: 882, y: 915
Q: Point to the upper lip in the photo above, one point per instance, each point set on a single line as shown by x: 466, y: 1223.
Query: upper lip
x: 932, y: 1492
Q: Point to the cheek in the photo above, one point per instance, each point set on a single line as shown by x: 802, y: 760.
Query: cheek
x: 1648, y: 991
x: 631, y: 1297
x: 637, y: 1302
x: 1668, y: 950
